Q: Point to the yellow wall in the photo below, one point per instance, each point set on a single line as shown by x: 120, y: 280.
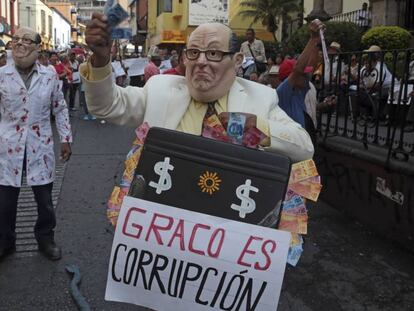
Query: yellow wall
x: 178, y: 20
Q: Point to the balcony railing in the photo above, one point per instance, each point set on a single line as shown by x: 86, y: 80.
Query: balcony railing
x: 360, y: 17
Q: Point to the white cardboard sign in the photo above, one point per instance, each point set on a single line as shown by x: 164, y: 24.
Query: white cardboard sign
x: 136, y: 66
x: 167, y: 258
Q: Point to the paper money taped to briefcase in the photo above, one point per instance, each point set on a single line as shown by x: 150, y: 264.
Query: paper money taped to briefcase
x: 290, y: 213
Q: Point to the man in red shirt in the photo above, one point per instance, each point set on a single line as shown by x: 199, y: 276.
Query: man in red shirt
x: 177, y: 64
x: 152, y: 68
x: 60, y: 70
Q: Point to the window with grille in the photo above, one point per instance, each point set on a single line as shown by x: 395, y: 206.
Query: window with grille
x: 164, y: 6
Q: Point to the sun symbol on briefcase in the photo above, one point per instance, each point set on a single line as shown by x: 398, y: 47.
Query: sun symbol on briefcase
x: 209, y: 182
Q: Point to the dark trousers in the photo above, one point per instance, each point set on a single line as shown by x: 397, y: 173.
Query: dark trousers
x: 46, y: 220
x: 137, y: 81
x: 65, y: 88
x: 74, y: 87
x: 82, y: 102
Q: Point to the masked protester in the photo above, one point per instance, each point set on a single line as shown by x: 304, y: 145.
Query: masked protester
x: 210, y: 85
x: 29, y: 92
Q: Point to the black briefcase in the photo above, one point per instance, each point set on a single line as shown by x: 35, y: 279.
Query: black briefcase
x: 211, y: 177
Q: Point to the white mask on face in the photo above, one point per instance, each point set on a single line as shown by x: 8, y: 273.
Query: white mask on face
x: 25, y: 55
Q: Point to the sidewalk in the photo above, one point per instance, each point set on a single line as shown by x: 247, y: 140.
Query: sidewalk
x: 344, y: 266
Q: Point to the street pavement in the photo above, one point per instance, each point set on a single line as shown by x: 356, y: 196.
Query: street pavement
x: 344, y: 265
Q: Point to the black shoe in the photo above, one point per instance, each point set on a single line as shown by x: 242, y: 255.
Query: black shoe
x: 50, y: 250
x: 5, y: 251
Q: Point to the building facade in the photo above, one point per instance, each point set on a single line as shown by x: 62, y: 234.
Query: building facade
x: 381, y: 12
x: 61, y: 31
x: 334, y: 7
x: 170, y: 22
x: 69, y: 12
x: 9, y: 17
x: 393, y: 12
x: 36, y: 15
x: 138, y: 12
x: 85, y: 8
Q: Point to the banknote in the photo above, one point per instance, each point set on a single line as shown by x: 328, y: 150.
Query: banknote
x: 214, y: 122
x: 113, y: 199
x: 252, y: 137
x: 293, y: 223
x: 289, y: 194
x: 115, y: 15
x: 307, y: 189
x: 142, y: 131
x: 295, y: 239
x: 114, y: 204
x: 303, y: 170
x: 299, y: 210
x: 121, y: 33
x: 108, y: 5
x: 294, y: 201
x: 294, y: 254
x: 216, y: 134
x: 235, y: 127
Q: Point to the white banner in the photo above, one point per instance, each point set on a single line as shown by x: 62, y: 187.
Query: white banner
x: 135, y: 66
x: 167, y: 258
x: 207, y: 11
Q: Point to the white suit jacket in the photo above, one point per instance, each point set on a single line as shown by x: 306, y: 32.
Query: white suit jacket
x: 25, y: 125
x: 164, y: 99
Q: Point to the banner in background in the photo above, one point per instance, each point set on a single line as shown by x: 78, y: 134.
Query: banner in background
x: 207, y: 11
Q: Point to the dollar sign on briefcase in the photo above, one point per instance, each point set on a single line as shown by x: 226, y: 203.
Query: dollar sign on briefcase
x: 164, y: 183
x: 248, y: 205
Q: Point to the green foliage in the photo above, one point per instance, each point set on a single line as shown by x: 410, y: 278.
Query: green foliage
x: 268, y: 12
x: 387, y: 37
x: 396, y: 62
x: 348, y: 34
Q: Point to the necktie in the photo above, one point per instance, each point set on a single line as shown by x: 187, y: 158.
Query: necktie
x: 211, y: 110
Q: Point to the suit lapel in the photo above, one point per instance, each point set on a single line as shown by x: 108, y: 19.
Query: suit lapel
x: 177, y: 105
x: 237, y: 98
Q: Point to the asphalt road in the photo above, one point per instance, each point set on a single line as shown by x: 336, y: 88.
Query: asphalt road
x: 344, y: 266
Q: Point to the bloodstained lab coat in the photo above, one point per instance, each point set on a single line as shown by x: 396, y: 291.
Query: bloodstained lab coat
x: 25, y: 125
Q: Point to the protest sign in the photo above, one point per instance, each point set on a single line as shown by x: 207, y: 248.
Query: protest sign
x: 117, y: 69
x: 135, y: 66
x: 167, y: 258
x: 165, y: 65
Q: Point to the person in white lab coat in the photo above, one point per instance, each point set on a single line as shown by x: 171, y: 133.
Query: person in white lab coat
x: 28, y: 94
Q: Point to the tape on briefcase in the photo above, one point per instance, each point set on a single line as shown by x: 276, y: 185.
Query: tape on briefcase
x: 211, y: 177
